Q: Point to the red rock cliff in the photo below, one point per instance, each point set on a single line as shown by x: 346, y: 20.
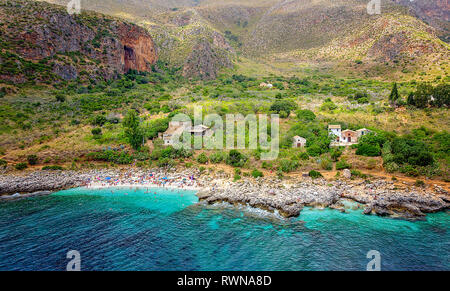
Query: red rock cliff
x: 43, y: 43
x: 138, y: 48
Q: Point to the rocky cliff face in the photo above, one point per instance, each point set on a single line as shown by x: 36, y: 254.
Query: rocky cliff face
x: 42, y: 42
x: 190, y: 42
x: 138, y: 49
x: 434, y: 12
x: 205, y: 61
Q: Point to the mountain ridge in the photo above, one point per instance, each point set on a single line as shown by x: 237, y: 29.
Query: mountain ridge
x: 271, y: 29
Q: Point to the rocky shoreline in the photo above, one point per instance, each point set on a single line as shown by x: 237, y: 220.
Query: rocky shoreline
x: 288, y: 197
x: 379, y: 197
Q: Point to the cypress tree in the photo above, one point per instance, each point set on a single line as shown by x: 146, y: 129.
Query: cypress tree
x: 394, y: 96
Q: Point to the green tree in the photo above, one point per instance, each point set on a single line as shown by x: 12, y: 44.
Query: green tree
x: 283, y: 105
x: 133, y: 130
x: 410, y: 99
x: 441, y: 94
x: 305, y: 115
x: 236, y: 159
x: 422, y: 95
x: 394, y: 96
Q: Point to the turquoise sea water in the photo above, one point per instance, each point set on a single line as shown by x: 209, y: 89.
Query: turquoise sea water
x: 136, y: 229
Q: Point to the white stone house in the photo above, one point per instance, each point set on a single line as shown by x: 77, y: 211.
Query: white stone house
x: 335, y: 130
x: 346, y: 137
x: 266, y: 85
x: 199, y: 130
x: 178, y: 127
x: 349, y: 136
x: 363, y: 131
x: 175, y: 127
x: 298, y: 142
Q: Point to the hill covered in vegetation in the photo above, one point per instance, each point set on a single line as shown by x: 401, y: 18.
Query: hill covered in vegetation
x: 75, y: 93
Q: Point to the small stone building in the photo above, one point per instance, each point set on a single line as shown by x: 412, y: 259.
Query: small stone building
x: 175, y: 127
x: 335, y: 129
x: 178, y: 127
x: 298, y: 142
x: 349, y: 136
x: 265, y: 85
x: 363, y: 131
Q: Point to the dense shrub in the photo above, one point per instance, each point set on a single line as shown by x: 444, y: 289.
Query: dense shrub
x: 236, y: 159
x: 287, y: 166
x: 328, y: 105
x: 202, y: 158
x: 391, y: 167
x: 98, y: 120
x: 32, y: 159
x: 257, y: 174
x: 441, y: 94
x: 370, y: 145
x: 368, y: 150
x: 156, y: 126
x: 2, y: 92
x: 356, y: 173
x: 326, y: 164
x: 303, y: 156
x: 409, y: 170
x: 419, y: 183
x: 217, y: 157
x: 60, y: 97
x: 408, y: 151
x: 153, y: 107
x: 165, y: 162
x: 314, y: 174
x: 363, y: 101
x: 305, y: 115
x: 3, y: 163
x: 96, y: 132
x: 170, y: 152
x: 314, y: 150
x: 267, y: 165
x: 342, y: 164
x: 335, y: 154
x: 21, y: 166
x: 283, y: 105
x: 360, y: 97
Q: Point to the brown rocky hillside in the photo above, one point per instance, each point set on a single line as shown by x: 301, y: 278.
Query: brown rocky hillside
x: 394, y: 44
x: 40, y: 42
x: 434, y: 12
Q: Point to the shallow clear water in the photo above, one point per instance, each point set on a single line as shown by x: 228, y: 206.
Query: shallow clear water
x: 130, y: 229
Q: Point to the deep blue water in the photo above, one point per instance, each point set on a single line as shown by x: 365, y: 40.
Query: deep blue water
x: 134, y: 230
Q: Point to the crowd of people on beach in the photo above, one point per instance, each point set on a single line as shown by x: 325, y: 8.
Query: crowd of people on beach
x: 144, y: 180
